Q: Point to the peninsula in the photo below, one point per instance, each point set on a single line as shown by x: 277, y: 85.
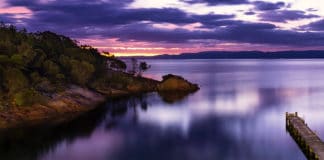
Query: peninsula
x: 50, y: 78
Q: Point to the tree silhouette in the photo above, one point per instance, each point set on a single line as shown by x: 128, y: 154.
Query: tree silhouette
x: 143, y: 67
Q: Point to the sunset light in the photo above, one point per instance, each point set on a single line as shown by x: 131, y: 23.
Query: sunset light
x: 144, y: 27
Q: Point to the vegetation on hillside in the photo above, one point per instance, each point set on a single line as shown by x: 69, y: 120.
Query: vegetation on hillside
x: 33, y: 66
x: 48, y: 69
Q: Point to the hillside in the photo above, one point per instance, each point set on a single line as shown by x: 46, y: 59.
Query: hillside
x: 35, y: 65
x: 46, y: 77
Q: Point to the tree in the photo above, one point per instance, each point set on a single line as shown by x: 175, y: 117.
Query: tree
x: 51, y: 68
x: 15, y: 80
x: 41, y: 63
x: 143, y: 67
x: 117, y: 64
x: 81, y: 71
x: 108, y: 54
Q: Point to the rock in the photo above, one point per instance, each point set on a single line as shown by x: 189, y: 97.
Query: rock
x: 176, y: 83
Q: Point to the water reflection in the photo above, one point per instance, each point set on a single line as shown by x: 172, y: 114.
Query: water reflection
x: 29, y: 143
x: 173, y: 97
x: 239, y: 113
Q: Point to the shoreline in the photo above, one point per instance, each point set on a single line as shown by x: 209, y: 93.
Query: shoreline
x: 63, y: 107
x: 75, y: 101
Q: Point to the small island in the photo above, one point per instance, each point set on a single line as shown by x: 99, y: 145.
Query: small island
x: 50, y: 78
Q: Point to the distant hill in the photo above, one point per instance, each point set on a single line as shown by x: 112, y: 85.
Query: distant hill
x: 244, y: 55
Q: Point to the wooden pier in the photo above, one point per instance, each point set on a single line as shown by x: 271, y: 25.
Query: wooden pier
x: 311, y: 145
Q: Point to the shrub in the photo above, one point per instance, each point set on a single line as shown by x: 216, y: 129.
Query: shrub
x: 17, y: 59
x: 35, y: 77
x: 60, y: 76
x: 51, y: 68
x: 41, y: 56
x: 120, y: 80
x: 81, y: 72
x: 44, y: 85
x: 4, y: 59
x: 28, y: 97
x: 15, y: 80
x: 65, y: 62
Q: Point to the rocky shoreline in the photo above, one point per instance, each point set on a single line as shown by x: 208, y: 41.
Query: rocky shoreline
x: 76, y: 100
x: 49, y: 78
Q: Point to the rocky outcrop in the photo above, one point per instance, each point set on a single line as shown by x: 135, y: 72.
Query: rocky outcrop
x: 176, y: 83
x: 76, y: 100
x: 62, y: 107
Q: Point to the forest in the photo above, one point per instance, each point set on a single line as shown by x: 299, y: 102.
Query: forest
x: 34, y: 66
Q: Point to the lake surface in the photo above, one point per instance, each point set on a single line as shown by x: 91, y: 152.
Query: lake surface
x: 239, y: 114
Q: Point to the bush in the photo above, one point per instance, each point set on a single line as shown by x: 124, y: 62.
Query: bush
x: 4, y: 59
x: 17, y: 59
x: 60, y: 76
x: 15, y: 80
x: 120, y: 80
x: 117, y: 64
x: 65, y: 62
x: 81, y: 71
x: 44, y: 85
x: 41, y: 56
x: 51, y: 68
x: 35, y: 77
x: 28, y: 97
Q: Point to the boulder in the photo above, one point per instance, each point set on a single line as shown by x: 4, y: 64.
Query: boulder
x: 176, y: 83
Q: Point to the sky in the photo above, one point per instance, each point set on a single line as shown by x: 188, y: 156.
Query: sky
x: 151, y: 27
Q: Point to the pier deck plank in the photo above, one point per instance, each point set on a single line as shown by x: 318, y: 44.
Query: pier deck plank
x: 308, y: 141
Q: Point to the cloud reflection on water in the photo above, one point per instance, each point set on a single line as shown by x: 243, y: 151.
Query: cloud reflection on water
x: 239, y: 112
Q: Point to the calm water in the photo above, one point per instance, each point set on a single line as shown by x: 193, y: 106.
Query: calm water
x: 239, y: 114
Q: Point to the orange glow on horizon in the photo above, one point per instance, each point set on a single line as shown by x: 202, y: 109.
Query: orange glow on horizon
x: 134, y: 54
x: 135, y: 48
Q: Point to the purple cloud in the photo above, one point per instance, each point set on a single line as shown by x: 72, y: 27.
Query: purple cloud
x: 315, y: 26
x: 110, y: 14
x: 285, y: 15
x: 7, y: 18
x: 217, y: 2
x: 111, y: 19
x: 266, y: 6
x: 250, y: 13
x: 238, y: 32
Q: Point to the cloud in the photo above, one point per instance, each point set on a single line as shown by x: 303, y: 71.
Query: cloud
x: 58, y: 16
x: 250, y: 13
x: 217, y: 2
x: 263, y: 34
x: 110, y: 14
x: 315, y: 26
x: 285, y: 15
x: 112, y: 19
x: 239, y: 32
x: 7, y: 18
x: 36, y: 3
x: 266, y: 6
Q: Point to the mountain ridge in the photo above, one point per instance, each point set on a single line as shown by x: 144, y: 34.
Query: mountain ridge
x: 307, y: 54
